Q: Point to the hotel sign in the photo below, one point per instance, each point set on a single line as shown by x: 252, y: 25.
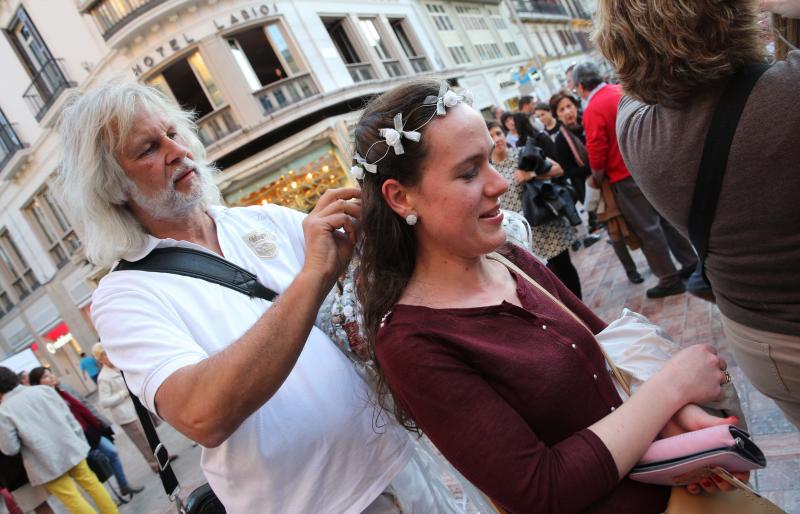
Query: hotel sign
x: 178, y: 43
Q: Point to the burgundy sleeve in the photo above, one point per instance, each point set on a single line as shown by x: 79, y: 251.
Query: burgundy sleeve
x: 542, y: 274
x: 485, y: 438
x: 597, y: 139
x: 80, y: 411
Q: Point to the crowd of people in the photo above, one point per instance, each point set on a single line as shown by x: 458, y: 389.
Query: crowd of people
x: 579, y: 140
x: 467, y: 338
x: 50, y: 463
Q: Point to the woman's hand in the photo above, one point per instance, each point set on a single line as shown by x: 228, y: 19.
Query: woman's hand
x: 695, y: 374
x: 690, y: 418
x: 785, y: 8
x: 524, y: 176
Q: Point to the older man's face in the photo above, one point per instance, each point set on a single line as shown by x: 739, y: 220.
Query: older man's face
x: 163, y: 179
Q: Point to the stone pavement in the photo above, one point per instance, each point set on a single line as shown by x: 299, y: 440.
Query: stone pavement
x: 606, y: 290
x: 690, y: 320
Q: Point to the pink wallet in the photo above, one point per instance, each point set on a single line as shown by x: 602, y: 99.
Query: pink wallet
x: 690, y: 457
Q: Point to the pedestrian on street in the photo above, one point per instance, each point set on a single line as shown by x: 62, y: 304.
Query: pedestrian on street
x: 89, y: 366
x: 571, y: 153
x: 657, y: 236
x: 527, y: 105
x: 506, y: 383
x: 35, y: 421
x: 552, y: 239
x: 282, y: 414
x: 510, y: 128
x: 551, y: 124
x: 754, y: 241
x: 98, y: 434
x: 113, y: 395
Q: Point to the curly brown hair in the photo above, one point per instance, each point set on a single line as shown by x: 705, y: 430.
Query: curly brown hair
x: 388, y: 247
x: 664, y: 51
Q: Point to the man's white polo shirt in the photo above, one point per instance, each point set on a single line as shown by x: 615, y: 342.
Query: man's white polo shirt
x: 313, y: 447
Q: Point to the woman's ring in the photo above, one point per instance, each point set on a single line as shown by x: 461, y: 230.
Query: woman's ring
x: 728, y: 377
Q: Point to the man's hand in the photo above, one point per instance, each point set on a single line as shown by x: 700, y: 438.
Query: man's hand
x: 785, y: 8
x: 328, y: 249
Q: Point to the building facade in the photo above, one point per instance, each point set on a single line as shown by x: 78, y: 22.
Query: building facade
x: 275, y: 86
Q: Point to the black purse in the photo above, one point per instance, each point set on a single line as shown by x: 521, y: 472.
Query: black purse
x: 546, y: 201
x: 707, y: 188
x: 100, y: 465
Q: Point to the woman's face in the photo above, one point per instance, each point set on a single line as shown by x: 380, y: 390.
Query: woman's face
x: 567, y: 112
x: 510, y: 125
x: 498, y: 137
x: 456, y: 199
x: 49, y: 379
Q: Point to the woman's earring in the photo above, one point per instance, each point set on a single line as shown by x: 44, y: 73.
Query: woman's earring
x: 411, y: 219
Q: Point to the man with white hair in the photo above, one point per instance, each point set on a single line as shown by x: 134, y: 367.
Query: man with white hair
x: 285, y: 421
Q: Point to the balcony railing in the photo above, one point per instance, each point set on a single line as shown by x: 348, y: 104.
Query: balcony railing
x: 360, y: 72
x: 215, y: 125
x: 540, y: 7
x: 281, y: 94
x: 393, y: 68
x: 112, y: 15
x: 420, y: 64
x: 46, y: 86
x: 9, y: 143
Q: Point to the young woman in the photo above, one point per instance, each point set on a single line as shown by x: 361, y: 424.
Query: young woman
x: 510, y: 129
x: 510, y: 387
x: 551, y: 240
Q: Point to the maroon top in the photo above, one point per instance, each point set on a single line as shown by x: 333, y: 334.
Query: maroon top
x: 507, y: 393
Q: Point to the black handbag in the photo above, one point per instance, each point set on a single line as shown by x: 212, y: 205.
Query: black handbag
x: 707, y: 188
x: 546, y: 201
x: 100, y: 465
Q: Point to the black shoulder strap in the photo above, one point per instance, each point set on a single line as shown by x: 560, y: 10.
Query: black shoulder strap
x: 165, y: 472
x: 202, y: 265
x: 715, y: 155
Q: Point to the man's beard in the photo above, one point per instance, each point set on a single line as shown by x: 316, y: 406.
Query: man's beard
x: 171, y: 203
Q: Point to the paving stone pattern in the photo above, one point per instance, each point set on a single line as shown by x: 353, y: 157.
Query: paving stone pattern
x: 606, y: 290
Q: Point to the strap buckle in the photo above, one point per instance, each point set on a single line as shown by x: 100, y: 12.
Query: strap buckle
x: 162, y: 456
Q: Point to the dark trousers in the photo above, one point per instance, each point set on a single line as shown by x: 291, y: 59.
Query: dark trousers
x: 624, y: 256
x: 562, y: 267
x: 657, y: 235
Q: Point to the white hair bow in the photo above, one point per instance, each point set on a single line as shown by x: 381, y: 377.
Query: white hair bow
x: 358, y: 169
x: 395, y: 135
x: 446, y: 98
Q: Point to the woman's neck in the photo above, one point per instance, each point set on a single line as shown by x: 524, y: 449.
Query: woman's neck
x: 499, y: 154
x: 450, y: 281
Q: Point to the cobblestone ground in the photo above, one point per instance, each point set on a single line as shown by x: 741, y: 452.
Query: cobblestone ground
x: 607, y: 291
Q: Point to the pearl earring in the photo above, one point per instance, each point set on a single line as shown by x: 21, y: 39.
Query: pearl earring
x: 411, y: 219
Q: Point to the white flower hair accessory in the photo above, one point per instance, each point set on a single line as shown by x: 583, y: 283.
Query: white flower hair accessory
x: 393, y: 137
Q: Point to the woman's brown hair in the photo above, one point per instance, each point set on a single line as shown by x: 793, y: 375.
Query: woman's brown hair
x: 388, y: 248
x: 665, y: 50
x: 556, y: 99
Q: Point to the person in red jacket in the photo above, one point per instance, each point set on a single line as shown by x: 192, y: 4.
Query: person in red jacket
x: 658, y: 237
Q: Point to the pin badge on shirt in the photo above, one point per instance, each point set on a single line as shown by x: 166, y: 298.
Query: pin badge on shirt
x: 262, y: 243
